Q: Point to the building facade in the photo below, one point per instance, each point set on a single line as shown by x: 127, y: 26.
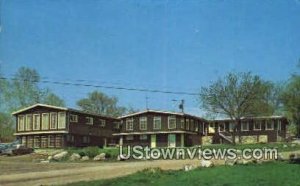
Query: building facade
x: 46, y: 126
x: 161, y: 129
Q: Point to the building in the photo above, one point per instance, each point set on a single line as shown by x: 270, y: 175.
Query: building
x: 43, y: 126
x: 161, y: 129
x: 251, y: 130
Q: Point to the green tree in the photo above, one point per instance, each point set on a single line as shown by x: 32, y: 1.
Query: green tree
x: 99, y: 103
x: 291, y: 101
x: 236, y: 96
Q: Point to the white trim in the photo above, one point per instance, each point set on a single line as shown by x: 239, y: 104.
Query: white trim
x: 158, y: 118
x: 41, y: 132
x: 131, y: 124
x: 161, y: 132
x: 242, y: 126
x: 169, y: 118
x: 50, y: 123
x: 39, y: 104
x: 266, y: 124
x: 260, y: 122
x: 143, y: 119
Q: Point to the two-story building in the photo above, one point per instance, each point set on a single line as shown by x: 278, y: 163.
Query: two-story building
x: 46, y: 126
x: 161, y: 129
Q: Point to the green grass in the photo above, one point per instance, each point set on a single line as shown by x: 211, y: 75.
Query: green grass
x: 272, y: 173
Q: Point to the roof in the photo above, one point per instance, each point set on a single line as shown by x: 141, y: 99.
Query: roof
x: 59, y: 108
x: 159, y: 112
x: 249, y: 117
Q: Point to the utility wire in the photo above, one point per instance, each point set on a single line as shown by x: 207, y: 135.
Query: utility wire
x: 105, y: 86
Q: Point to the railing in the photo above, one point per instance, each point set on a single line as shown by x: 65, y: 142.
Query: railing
x: 227, y: 136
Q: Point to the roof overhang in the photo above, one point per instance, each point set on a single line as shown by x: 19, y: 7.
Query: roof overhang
x: 38, y: 105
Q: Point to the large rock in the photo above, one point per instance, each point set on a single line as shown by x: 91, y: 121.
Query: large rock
x: 100, y: 157
x: 75, y: 157
x: 85, y: 158
x: 188, y: 167
x: 206, y: 163
x: 60, y: 155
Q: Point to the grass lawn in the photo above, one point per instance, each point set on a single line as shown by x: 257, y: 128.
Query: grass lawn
x: 271, y: 173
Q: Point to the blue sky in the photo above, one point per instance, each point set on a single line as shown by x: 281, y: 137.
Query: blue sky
x: 166, y: 45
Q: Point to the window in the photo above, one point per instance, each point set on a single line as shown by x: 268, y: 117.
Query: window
x: 171, y: 122
x: 143, y: 123
x: 61, y: 120
x: 221, y: 127
x: 73, y: 118
x: 70, y: 138
x: 117, y: 125
x: 257, y: 125
x: 245, y: 126
x: 24, y: 140
x: 36, y: 122
x: 196, y: 126
x: 28, y: 122
x: 53, y: 120
x: 157, y: 123
x: 21, y: 123
x: 187, y: 124
x: 86, y: 139
x: 102, y: 123
x: 231, y: 127
x: 269, y: 125
x: 129, y: 124
x: 143, y: 137
x: 45, y: 121
x: 182, y: 123
x: 129, y: 138
x: 37, y: 142
x: 192, y: 125
x: 58, y: 141
x: 279, y: 125
x: 89, y: 120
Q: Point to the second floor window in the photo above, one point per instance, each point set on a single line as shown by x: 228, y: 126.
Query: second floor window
x: 21, y: 123
x: 89, y: 120
x: 171, y: 122
x: 28, y: 122
x: 279, y: 125
x: 73, y: 118
x: 187, y: 124
x: 36, y: 122
x: 129, y: 124
x: 61, y: 120
x: 45, y: 121
x: 53, y: 120
x: 157, y: 123
x: 143, y: 123
x: 182, y: 123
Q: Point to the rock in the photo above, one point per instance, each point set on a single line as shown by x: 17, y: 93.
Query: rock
x: 230, y: 162
x: 45, y: 161
x: 100, y: 157
x: 295, y: 158
x: 206, y: 163
x: 75, y: 157
x: 285, y: 146
x: 246, y: 162
x: 50, y: 158
x: 188, y: 167
x: 60, y: 156
x: 85, y: 158
x: 280, y: 157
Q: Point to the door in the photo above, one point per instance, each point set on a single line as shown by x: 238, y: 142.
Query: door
x: 171, y: 140
x: 153, y: 141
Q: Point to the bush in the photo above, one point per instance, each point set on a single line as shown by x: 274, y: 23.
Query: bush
x: 91, y: 151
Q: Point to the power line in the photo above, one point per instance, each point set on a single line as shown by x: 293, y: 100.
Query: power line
x: 107, y: 86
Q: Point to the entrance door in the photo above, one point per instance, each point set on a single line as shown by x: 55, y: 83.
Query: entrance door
x: 171, y: 140
x: 153, y: 141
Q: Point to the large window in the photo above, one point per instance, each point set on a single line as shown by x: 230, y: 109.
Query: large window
x: 157, y: 123
x: 171, y: 122
x: 257, y: 125
x: 269, y: 125
x: 143, y: 123
x: 21, y: 123
x: 51, y: 141
x: 187, y: 124
x: 45, y: 121
x: 29, y: 122
x: 245, y: 126
x: 53, y: 120
x: 182, y: 123
x: 36, y: 121
x: 192, y: 125
x: 89, y: 120
x: 61, y: 120
x: 129, y: 124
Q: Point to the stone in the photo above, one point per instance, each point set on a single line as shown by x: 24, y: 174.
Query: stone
x: 50, y: 158
x: 206, y: 163
x: 85, y: 158
x: 188, y: 167
x: 75, y: 157
x: 45, y: 161
x: 230, y: 162
x: 60, y: 156
x: 100, y: 157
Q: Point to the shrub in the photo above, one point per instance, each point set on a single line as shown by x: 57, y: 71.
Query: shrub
x: 91, y: 151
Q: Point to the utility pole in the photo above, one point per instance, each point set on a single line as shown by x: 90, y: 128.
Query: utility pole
x: 181, y: 105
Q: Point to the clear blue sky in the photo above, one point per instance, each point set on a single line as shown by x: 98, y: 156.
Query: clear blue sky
x: 167, y: 45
